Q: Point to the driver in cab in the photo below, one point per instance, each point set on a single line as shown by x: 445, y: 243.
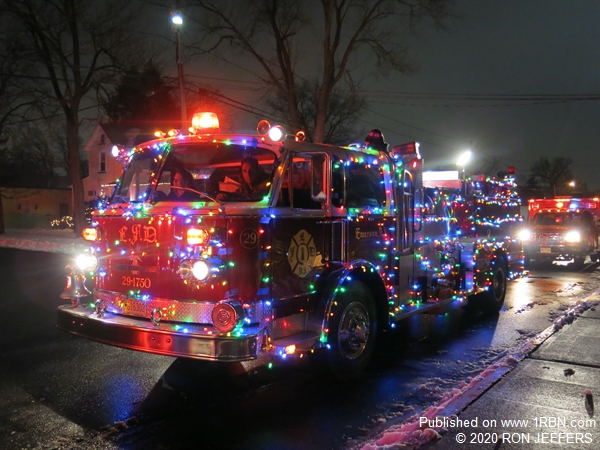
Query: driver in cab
x: 180, y: 183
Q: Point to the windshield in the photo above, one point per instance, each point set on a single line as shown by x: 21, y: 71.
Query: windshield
x: 558, y: 218
x: 201, y: 172
x: 136, y: 178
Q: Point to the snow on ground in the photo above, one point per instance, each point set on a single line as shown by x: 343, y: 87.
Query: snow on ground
x: 45, y: 240
x: 413, y: 432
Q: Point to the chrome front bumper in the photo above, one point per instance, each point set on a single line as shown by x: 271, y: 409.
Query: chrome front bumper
x: 169, y: 339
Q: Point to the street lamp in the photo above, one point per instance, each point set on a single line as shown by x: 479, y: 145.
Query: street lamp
x: 177, y: 20
x: 462, y: 161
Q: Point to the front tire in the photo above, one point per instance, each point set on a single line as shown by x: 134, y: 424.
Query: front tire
x: 352, y: 331
x: 492, y: 300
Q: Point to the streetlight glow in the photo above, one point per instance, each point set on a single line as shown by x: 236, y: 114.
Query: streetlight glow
x: 464, y: 159
x: 176, y: 18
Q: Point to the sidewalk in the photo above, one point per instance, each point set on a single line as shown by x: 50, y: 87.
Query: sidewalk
x: 533, y: 399
x: 39, y: 239
x: 542, y: 403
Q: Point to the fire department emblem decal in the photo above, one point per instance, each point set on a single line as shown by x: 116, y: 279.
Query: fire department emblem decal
x: 302, y: 253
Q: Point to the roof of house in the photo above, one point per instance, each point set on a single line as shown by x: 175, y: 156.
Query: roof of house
x: 132, y: 134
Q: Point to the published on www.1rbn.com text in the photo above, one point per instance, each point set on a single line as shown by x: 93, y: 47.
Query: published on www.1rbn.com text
x: 541, y: 430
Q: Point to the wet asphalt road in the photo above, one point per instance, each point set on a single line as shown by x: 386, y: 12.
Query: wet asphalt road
x: 58, y: 391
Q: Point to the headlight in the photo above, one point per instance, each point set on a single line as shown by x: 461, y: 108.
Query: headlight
x: 525, y: 235
x: 572, y: 236
x: 200, y: 270
x: 86, y: 262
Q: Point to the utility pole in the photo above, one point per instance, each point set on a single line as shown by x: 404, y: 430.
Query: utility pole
x: 177, y: 20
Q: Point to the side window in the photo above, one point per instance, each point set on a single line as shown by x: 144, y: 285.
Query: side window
x: 284, y: 198
x: 407, y: 211
x: 337, y: 183
x: 319, y: 178
x: 365, y: 187
x: 301, y: 177
x: 298, y: 183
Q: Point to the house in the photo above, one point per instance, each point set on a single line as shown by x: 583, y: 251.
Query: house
x: 104, y: 169
x: 34, y: 202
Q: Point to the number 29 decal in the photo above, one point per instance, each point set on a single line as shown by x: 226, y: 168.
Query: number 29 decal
x: 249, y: 238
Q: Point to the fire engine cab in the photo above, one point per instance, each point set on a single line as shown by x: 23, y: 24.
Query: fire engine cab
x: 562, y: 229
x: 227, y: 247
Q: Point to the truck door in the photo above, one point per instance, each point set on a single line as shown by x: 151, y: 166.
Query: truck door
x: 406, y: 221
x: 299, y: 243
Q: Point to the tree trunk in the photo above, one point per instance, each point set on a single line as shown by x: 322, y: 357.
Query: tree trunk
x: 321, y: 116
x: 75, y: 174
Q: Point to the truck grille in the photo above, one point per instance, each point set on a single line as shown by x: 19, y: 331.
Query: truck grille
x: 555, y: 237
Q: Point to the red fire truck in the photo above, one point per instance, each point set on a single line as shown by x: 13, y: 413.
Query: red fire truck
x: 562, y: 229
x: 329, y: 247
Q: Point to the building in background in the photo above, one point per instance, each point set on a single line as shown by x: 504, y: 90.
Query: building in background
x: 103, y: 168
x: 35, y: 202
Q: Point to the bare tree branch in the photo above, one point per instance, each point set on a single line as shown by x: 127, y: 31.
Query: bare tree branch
x: 272, y: 32
x: 80, y: 44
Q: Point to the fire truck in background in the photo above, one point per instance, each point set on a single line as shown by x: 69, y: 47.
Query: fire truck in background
x: 564, y: 230
x: 340, y: 244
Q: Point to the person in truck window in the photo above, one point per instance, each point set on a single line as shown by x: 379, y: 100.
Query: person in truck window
x: 255, y: 182
x: 180, y: 182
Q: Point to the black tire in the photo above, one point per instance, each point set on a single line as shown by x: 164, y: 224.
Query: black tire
x: 491, y: 301
x: 352, y: 331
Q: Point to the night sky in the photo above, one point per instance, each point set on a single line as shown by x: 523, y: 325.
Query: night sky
x: 505, y: 49
x: 513, y: 80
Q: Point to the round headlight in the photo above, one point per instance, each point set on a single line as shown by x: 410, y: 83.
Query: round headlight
x: 276, y: 133
x: 573, y: 236
x: 200, y: 270
x: 86, y: 262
